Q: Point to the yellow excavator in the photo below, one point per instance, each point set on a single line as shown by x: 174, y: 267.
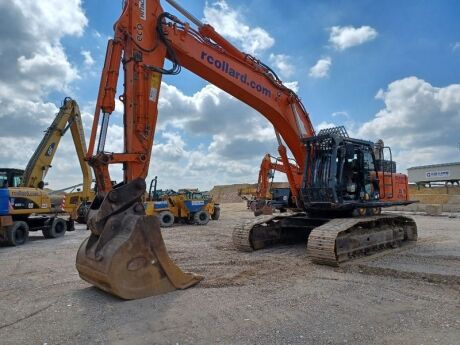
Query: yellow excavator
x: 24, y: 203
x: 76, y: 201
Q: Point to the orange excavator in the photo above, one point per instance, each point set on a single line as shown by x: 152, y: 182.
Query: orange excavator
x: 267, y: 167
x: 125, y: 253
x: 266, y: 198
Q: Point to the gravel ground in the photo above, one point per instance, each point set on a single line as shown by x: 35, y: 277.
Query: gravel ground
x: 273, y: 296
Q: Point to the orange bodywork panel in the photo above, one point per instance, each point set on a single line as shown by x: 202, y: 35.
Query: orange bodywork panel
x: 393, y: 186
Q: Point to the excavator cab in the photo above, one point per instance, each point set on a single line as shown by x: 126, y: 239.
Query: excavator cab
x: 342, y: 173
x: 11, y: 177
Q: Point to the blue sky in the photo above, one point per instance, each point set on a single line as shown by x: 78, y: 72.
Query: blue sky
x: 414, y: 38
x: 386, y: 69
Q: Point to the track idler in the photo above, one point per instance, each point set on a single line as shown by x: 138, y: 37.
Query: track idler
x: 125, y: 254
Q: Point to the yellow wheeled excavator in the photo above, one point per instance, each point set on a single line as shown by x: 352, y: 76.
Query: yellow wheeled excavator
x: 24, y: 203
x: 334, y: 175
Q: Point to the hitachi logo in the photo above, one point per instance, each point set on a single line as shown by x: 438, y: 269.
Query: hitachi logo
x: 143, y: 9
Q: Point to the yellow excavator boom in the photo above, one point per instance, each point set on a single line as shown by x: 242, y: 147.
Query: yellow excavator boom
x: 69, y: 117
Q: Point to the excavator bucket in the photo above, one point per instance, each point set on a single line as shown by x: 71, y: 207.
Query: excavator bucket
x: 125, y: 254
x: 265, y: 209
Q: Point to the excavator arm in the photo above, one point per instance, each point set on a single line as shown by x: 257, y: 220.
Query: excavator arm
x: 125, y: 254
x: 68, y: 117
x: 270, y: 164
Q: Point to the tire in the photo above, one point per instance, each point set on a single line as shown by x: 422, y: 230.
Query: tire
x: 375, y: 211
x: 201, y: 218
x: 82, y: 213
x: 216, y: 214
x: 359, y: 212
x: 57, y: 229
x: 18, y: 233
x: 166, y: 219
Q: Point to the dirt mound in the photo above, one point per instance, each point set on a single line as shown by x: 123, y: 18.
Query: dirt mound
x: 435, y: 190
x: 229, y: 193
x: 444, y: 198
x: 435, y: 195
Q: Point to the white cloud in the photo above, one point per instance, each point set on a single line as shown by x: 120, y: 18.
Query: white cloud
x: 344, y: 37
x: 235, y: 138
x: 211, y: 112
x: 455, y: 46
x: 172, y: 148
x: 420, y: 122
x: 52, y: 19
x: 341, y: 113
x: 34, y: 61
x: 28, y: 119
x: 282, y: 64
x: 229, y: 22
x: 324, y: 125
x: 293, y: 85
x: 321, y: 68
x: 87, y: 58
x: 33, y: 65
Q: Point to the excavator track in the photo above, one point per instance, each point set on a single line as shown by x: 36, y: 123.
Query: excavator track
x: 269, y: 230
x: 242, y: 233
x: 340, y: 239
x: 321, y: 242
x: 330, y: 241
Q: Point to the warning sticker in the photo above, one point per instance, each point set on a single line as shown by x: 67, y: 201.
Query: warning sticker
x: 154, y: 86
x: 153, y: 94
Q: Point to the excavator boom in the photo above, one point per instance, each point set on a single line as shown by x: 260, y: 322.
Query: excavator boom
x: 69, y: 117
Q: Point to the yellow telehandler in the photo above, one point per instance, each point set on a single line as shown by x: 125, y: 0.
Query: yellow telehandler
x: 187, y: 206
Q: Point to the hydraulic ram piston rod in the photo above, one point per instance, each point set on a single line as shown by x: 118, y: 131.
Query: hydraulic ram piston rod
x: 186, y: 13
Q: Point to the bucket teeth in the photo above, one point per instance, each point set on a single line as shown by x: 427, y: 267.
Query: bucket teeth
x: 125, y: 254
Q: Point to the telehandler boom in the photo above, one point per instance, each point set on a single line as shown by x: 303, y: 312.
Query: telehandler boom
x: 125, y: 253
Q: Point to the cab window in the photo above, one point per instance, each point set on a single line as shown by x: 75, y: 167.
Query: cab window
x: 17, y: 180
x: 3, y: 180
